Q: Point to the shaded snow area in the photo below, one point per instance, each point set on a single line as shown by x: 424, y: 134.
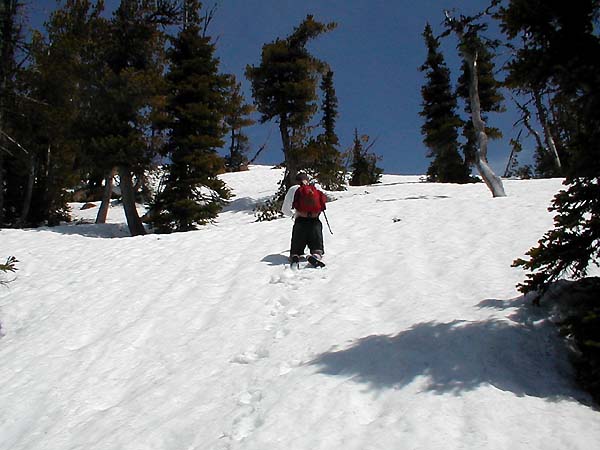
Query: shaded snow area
x: 412, y: 337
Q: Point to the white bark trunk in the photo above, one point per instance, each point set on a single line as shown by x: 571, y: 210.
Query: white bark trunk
x: 493, y: 182
x: 543, y: 118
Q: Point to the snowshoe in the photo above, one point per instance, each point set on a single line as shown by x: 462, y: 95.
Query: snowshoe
x: 315, y: 262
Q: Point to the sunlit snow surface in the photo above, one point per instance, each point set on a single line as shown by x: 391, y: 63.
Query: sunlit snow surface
x: 412, y: 337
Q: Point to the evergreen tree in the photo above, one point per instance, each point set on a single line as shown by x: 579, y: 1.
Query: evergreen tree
x: 49, y: 125
x: 364, y: 163
x: 193, y: 194
x: 467, y: 29
x: 490, y: 96
x: 284, y: 87
x: 440, y: 129
x: 561, y: 51
x: 10, y: 152
x: 132, y: 86
x: 555, y: 47
x: 329, y: 166
x: 237, y: 118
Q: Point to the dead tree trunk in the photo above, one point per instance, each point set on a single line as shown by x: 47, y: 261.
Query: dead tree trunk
x: 136, y: 227
x: 291, y: 166
x: 106, y: 196
x: 543, y: 118
x: 493, y: 181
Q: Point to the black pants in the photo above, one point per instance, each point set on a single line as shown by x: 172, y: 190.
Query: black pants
x: 307, y: 231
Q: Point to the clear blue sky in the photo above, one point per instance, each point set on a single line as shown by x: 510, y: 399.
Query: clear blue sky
x: 375, y: 53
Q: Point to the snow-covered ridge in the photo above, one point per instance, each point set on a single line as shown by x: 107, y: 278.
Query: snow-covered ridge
x: 412, y: 337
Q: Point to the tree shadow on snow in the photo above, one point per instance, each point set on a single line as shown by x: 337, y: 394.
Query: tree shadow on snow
x: 519, y: 355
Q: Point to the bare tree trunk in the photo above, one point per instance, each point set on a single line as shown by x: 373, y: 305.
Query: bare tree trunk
x: 527, y: 123
x: 543, y: 118
x: 136, y: 227
x: 106, y: 196
x: 291, y: 167
x: 513, y: 156
x: 493, y: 182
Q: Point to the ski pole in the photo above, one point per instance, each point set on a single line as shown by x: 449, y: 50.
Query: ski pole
x: 327, y: 220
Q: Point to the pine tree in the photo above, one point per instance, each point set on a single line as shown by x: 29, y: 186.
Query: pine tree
x: 561, y: 51
x: 554, y: 52
x: 467, y: 29
x: 10, y: 151
x: 49, y: 123
x: 132, y: 88
x: 440, y: 129
x: 490, y: 97
x: 284, y: 87
x: 329, y: 166
x: 364, y: 163
x: 193, y: 194
x: 237, y: 117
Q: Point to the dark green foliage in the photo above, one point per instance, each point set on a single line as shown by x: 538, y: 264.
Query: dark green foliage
x: 133, y: 89
x: 364, y: 163
x: 237, y: 118
x: 440, y: 129
x: 559, y: 55
x: 11, y: 154
x: 559, y: 39
x: 544, y: 164
x: 513, y: 169
x: 329, y: 165
x: 50, y: 122
x: 193, y: 194
x: 575, y: 306
x: 284, y: 87
x: 560, y: 52
x: 271, y: 209
x: 10, y: 35
x: 490, y: 96
x: 582, y: 326
x: 573, y: 243
x: 8, y: 266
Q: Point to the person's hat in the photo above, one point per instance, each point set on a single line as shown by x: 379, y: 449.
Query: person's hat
x: 301, y: 176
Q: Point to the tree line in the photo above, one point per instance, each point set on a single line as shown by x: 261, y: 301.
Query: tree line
x: 458, y: 142
x: 553, y: 76
x: 93, y: 97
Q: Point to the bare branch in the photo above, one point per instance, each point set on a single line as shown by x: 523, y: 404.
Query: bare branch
x: 209, y: 15
x: 262, y: 147
x: 6, y: 150
x: 13, y: 141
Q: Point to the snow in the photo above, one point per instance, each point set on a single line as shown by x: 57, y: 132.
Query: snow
x: 412, y: 337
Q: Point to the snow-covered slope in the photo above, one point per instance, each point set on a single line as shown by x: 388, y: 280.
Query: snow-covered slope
x: 413, y: 336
